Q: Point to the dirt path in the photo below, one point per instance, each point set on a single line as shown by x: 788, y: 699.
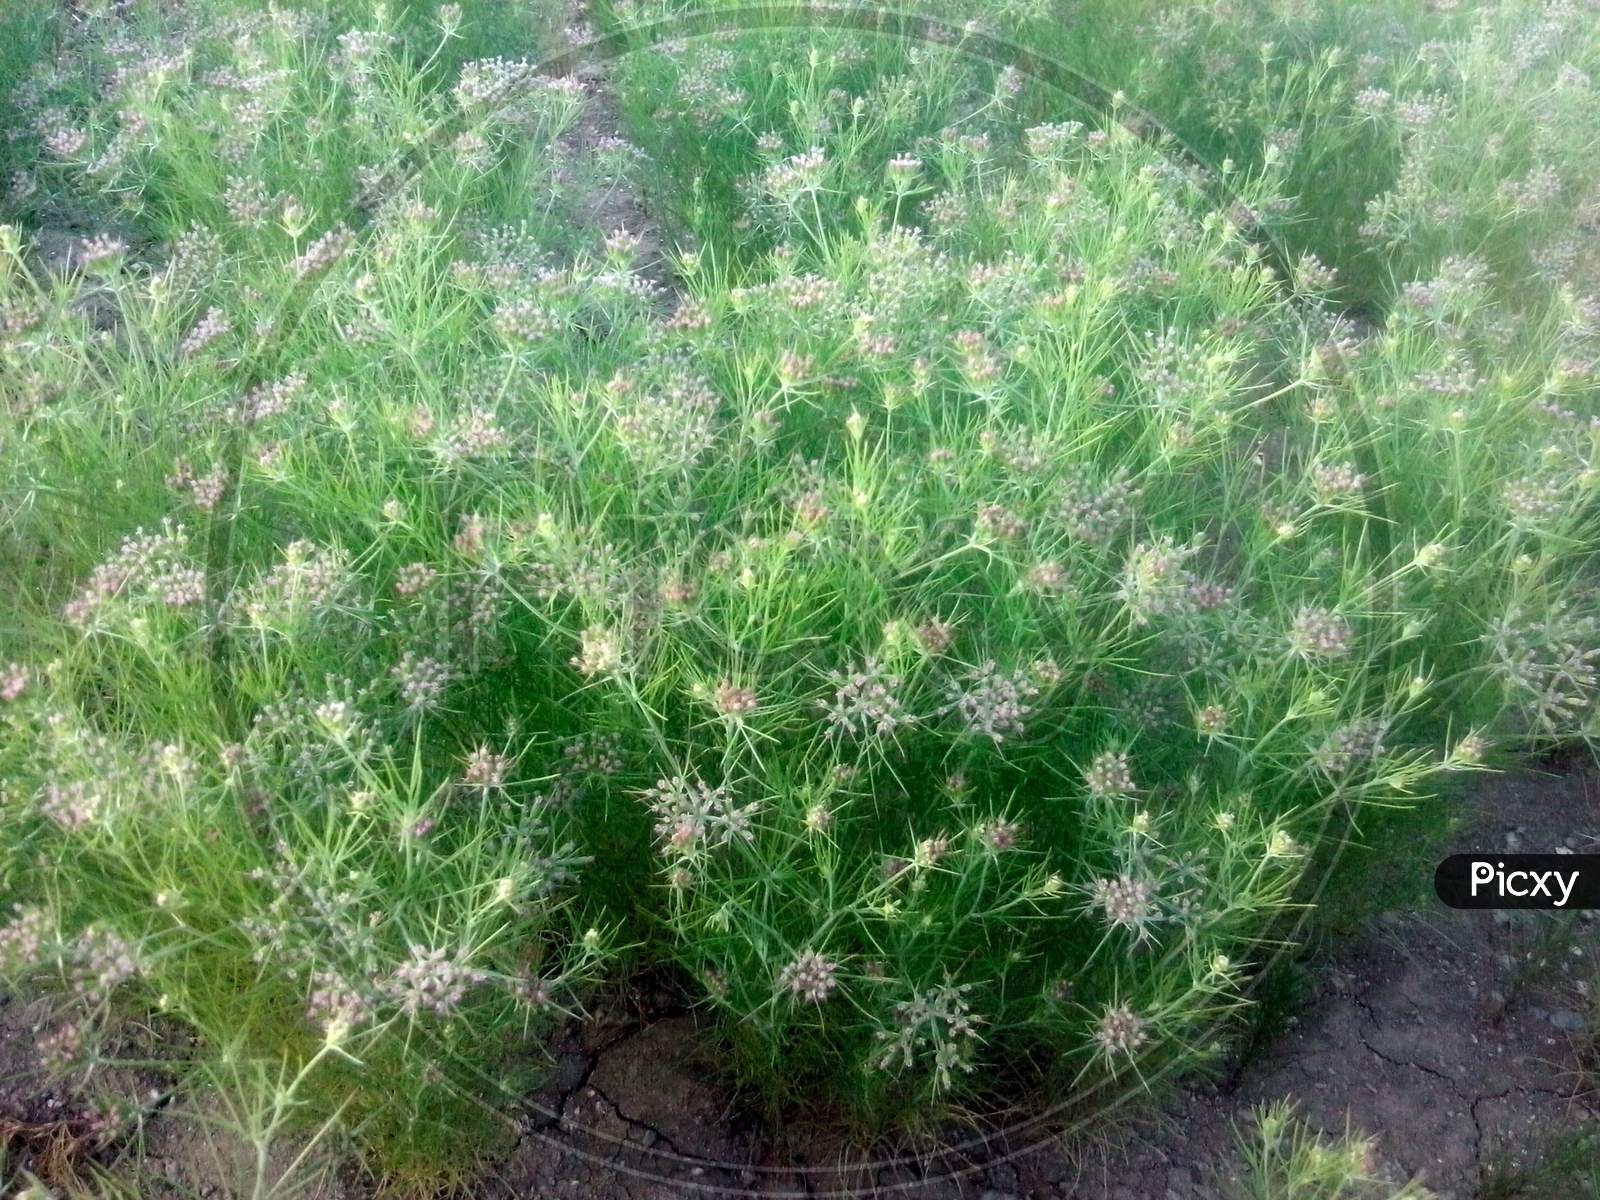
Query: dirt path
x: 618, y: 202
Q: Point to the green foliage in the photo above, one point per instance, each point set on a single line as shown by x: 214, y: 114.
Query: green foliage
x: 961, y: 630
x: 1563, y: 1164
x: 1284, y: 1159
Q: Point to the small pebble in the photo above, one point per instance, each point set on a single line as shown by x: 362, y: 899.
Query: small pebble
x: 1566, y: 1019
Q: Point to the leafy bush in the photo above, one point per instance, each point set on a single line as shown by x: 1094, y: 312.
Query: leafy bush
x: 960, y: 630
x: 1283, y: 603
x: 1409, y: 135
x: 260, y: 771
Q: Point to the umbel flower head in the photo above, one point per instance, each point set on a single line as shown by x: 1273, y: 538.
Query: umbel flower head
x: 1320, y: 634
x: 433, y: 979
x: 1127, y: 901
x: 599, y: 652
x: 1120, y: 1031
x: 865, y: 701
x: 1108, y: 775
x: 732, y: 700
x: 691, y: 816
x: 992, y: 703
x: 486, y: 770
x: 810, y: 976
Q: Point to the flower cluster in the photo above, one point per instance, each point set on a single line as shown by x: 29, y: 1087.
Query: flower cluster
x: 1120, y: 1031
x: 148, y: 568
x: 433, y: 980
x: 1320, y: 634
x: 865, y: 701
x: 1127, y: 902
x: 693, y: 817
x: 1097, y: 512
x: 486, y: 770
x: 992, y: 703
x: 811, y: 977
x: 664, y: 420
x: 1109, y: 775
x: 940, y: 1019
